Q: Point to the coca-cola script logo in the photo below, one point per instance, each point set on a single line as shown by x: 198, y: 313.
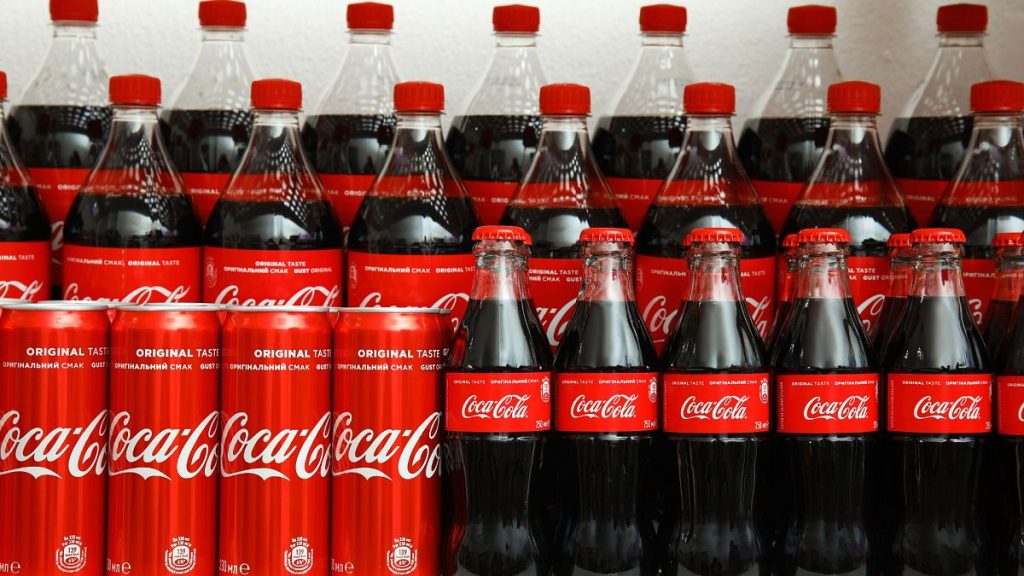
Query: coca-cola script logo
x: 659, y: 318
x: 14, y: 290
x: 194, y: 450
x: 617, y: 406
x: 850, y: 408
x: 962, y: 408
x: 870, y: 309
x: 307, y: 296
x: 729, y: 407
x: 759, y: 312
x: 140, y: 295
x: 36, y: 452
x: 366, y: 451
x: 447, y: 302
x: 556, y: 320
x: 264, y: 452
x: 508, y: 407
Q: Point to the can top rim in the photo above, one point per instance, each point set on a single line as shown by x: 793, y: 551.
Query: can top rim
x: 392, y: 310
x: 239, y: 308
x: 170, y: 307
x: 57, y: 305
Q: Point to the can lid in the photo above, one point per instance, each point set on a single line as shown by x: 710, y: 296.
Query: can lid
x: 606, y: 235
x: 370, y: 16
x: 963, y: 18
x: 790, y: 241
x: 855, y: 96
x: 698, y: 235
x: 937, y: 236
x: 811, y: 19
x: 136, y: 89
x: 57, y: 306
x: 509, y: 233
x: 663, y: 18
x: 1007, y: 240
x: 823, y: 236
x: 564, y: 100
x: 516, y: 18
x: 169, y: 307
x: 222, y: 13
x: 74, y: 10
x: 419, y: 97
x: 276, y: 94
x: 3, y: 85
x: 900, y: 240
x: 238, y: 308
x: 997, y: 96
x: 709, y: 98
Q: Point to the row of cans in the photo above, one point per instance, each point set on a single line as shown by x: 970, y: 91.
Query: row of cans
x: 191, y: 439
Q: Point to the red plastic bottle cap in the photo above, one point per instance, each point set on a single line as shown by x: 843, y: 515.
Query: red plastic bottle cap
x: 709, y: 98
x: 565, y: 100
x: 962, y: 18
x: 370, y: 16
x: 699, y: 235
x: 515, y: 18
x: 812, y: 19
x: 419, y: 97
x: 1007, y: 240
x: 606, y: 235
x: 997, y: 96
x: 276, y: 94
x: 3, y: 85
x: 901, y: 240
x: 222, y: 13
x: 855, y: 97
x: 135, y: 89
x: 663, y: 18
x: 509, y: 233
x: 823, y: 236
x: 937, y: 236
x: 790, y: 241
x: 74, y: 10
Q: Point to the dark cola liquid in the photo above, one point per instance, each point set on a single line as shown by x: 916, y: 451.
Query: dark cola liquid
x: 716, y: 483
x: 638, y: 146
x: 292, y: 225
x: 605, y: 481
x: 433, y: 226
x: 348, y: 143
x: 827, y: 491
x: 1007, y: 499
x: 927, y: 148
x: 132, y: 221
x: 59, y: 136
x: 667, y: 225
x: 979, y: 224
x: 782, y: 149
x: 869, y: 227
x: 890, y: 317
x: 935, y: 510
x: 997, y: 322
x: 556, y: 231
x: 493, y: 485
x: 22, y: 218
x: 493, y: 148
x: 206, y: 141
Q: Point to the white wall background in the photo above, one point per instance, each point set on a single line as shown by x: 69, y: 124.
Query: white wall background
x: 594, y: 42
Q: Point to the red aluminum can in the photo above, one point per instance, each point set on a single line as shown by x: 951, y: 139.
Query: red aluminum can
x: 387, y: 440
x: 53, y: 438
x: 164, y: 440
x: 275, y: 447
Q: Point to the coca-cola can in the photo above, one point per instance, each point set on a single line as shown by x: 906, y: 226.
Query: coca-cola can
x: 164, y: 439
x: 387, y: 440
x: 53, y: 438
x: 276, y: 441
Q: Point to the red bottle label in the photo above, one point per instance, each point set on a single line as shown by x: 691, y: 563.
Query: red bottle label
x: 554, y: 286
x: 1010, y: 404
x: 204, y: 189
x: 498, y: 402
x: 979, y: 283
x: 634, y: 197
x: 57, y: 188
x: 716, y: 403
x: 869, y: 283
x: 376, y: 280
x: 345, y: 193
x: 940, y: 403
x: 777, y: 199
x: 921, y: 197
x: 135, y: 275
x: 25, y: 270
x: 827, y: 403
x: 239, y: 277
x: 490, y: 198
x: 609, y: 402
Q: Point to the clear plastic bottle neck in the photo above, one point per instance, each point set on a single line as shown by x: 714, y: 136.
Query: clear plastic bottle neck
x: 937, y: 271
x: 708, y: 171
x: 366, y: 79
x: 822, y: 272
x: 607, y: 272
x: 959, y: 63
x: 996, y: 153
x: 134, y: 160
x: 275, y: 158
x: 655, y: 85
x: 714, y: 273
x: 418, y: 129
x: 500, y: 270
x: 418, y: 164
x: 853, y: 158
x: 72, y: 72
x: 800, y: 88
x: 221, y: 76
x: 512, y: 81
